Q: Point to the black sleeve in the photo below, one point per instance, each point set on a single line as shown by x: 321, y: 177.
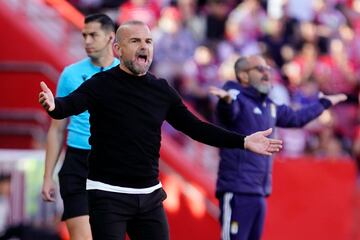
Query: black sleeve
x: 73, y: 104
x: 183, y: 120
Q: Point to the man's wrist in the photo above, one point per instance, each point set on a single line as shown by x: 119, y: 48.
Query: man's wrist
x: 245, y: 142
x: 47, y: 176
x: 326, y: 103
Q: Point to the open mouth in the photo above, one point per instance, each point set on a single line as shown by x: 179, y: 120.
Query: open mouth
x: 142, y: 58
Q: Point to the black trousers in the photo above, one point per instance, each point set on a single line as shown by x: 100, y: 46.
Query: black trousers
x: 72, y: 180
x: 141, y: 216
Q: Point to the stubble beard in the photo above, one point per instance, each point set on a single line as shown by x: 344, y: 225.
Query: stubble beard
x: 93, y: 56
x: 135, y: 69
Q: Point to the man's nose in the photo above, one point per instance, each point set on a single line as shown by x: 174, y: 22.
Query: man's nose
x: 87, y: 40
x: 268, y: 73
x: 143, y: 45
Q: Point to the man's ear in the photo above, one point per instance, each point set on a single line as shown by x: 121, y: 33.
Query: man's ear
x: 118, y: 49
x: 243, y: 77
x: 112, y: 37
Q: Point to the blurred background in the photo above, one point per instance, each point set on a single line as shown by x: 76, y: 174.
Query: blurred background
x: 314, y: 45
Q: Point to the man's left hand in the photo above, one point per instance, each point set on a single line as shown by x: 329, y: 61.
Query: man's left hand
x: 334, y: 99
x: 259, y: 143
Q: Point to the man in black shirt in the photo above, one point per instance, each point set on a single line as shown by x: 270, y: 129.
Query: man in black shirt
x: 127, y: 107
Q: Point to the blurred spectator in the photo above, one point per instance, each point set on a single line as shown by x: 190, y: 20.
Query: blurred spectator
x: 216, y: 15
x: 301, y: 10
x: 192, y: 18
x: 301, y: 68
x: 336, y: 73
x: 198, y: 74
x: 351, y: 42
x: 329, y: 144
x: 245, y: 24
x: 20, y: 231
x: 275, y: 40
x: 327, y: 17
x: 356, y: 144
x: 174, y: 44
x: 87, y: 6
x: 147, y: 11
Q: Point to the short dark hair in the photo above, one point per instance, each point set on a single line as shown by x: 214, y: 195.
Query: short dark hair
x: 105, y: 21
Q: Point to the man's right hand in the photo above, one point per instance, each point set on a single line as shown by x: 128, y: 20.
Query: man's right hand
x: 48, y: 190
x: 46, y: 98
x: 220, y: 93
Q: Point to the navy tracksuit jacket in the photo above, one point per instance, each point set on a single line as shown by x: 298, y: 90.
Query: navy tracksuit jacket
x: 242, y: 171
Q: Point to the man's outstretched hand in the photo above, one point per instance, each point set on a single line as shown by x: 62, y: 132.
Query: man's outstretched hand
x: 335, y: 98
x: 259, y: 143
x: 46, y: 98
x: 220, y: 93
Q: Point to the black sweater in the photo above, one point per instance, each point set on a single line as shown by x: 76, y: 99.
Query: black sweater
x: 126, y: 114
